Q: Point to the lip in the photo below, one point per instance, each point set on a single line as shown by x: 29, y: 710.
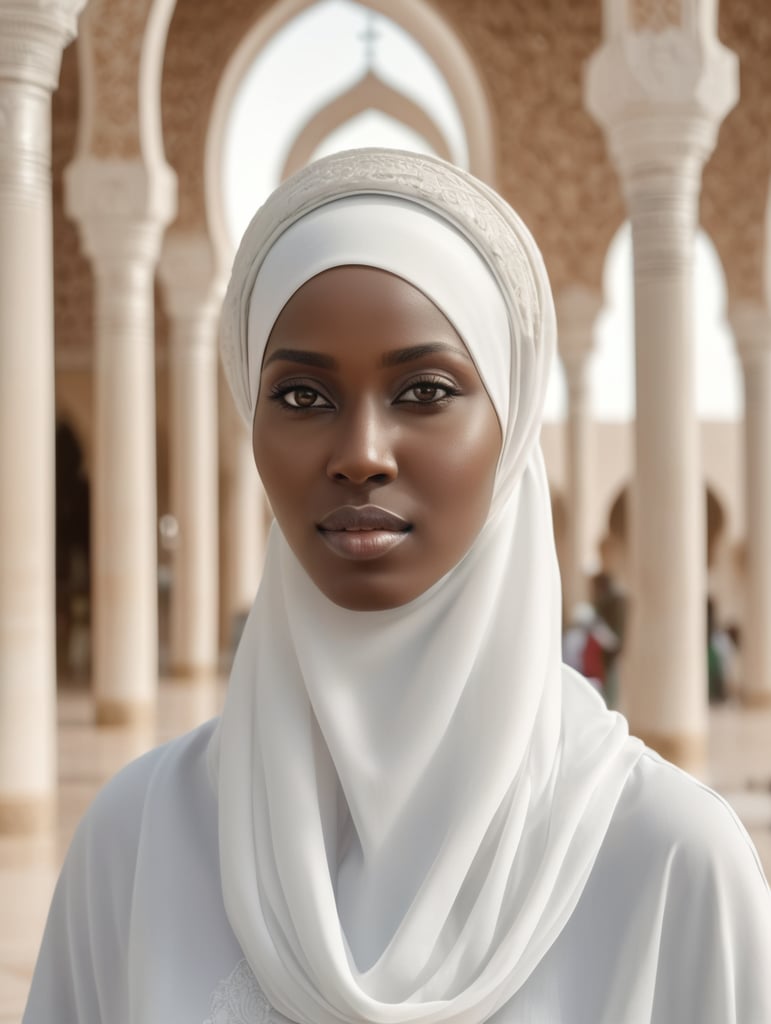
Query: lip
x: 363, y: 517
x: 362, y: 532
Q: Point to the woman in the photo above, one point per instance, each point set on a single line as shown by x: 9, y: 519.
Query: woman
x: 409, y: 810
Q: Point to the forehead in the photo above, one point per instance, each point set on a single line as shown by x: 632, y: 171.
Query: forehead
x: 368, y: 305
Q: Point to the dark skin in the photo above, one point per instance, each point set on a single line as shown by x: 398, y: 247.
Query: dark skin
x: 369, y: 398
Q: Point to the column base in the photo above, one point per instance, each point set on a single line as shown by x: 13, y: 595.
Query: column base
x: 124, y: 712
x: 192, y: 673
x: 27, y: 815
x: 686, y: 750
x: 756, y: 698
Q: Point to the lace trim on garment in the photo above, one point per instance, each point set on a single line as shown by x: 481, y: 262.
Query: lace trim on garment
x: 240, y: 1000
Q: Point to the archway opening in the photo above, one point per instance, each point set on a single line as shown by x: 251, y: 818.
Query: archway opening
x: 618, y: 520
x: 321, y: 55
x: 73, y: 559
x: 717, y: 370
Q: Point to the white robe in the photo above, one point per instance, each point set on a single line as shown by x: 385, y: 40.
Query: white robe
x: 673, y: 927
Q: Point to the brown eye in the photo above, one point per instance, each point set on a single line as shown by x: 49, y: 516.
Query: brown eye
x: 303, y: 397
x: 425, y: 392
x: 428, y: 392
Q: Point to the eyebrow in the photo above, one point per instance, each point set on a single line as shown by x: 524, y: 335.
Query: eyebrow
x: 407, y: 355
x: 402, y: 355
x: 298, y: 355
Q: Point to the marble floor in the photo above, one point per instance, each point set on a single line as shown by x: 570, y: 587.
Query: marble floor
x: 740, y: 768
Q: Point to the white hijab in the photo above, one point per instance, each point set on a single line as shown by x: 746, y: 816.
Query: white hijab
x: 411, y: 801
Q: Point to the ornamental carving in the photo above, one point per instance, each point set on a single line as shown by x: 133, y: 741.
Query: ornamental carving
x: 654, y: 15
x: 115, y: 35
x: 552, y: 167
x: 667, y: 64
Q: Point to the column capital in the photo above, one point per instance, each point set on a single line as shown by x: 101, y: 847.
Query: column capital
x: 121, y: 206
x: 192, y: 283
x: 33, y: 34
x: 751, y: 324
x: 660, y: 96
x: 577, y: 310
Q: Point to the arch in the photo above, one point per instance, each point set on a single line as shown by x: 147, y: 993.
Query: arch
x: 716, y: 366
x: 121, y: 53
x: 370, y: 93
x: 150, y: 77
x: 417, y: 18
x: 717, y: 519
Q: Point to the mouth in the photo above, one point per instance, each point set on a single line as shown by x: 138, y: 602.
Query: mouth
x: 362, y: 532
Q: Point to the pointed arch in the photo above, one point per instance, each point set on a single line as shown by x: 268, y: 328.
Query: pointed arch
x: 423, y: 23
x: 369, y: 93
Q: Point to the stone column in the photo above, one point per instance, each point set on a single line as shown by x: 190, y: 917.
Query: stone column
x: 660, y: 97
x: 577, y: 310
x: 32, y: 37
x: 193, y: 295
x: 122, y: 212
x: 751, y: 323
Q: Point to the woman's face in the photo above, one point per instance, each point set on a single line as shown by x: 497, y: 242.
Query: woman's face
x: 374, y: 436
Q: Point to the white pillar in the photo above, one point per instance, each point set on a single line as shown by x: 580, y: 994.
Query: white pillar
x: 31, y: 43
x: 752, y: 326
x: 660, y: 97
x: 193, y: 295
x: 577, y: 310
x: 122, y: 212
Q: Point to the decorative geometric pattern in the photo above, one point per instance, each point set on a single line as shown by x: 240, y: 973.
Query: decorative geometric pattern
x: 735, y: 184
x: 116, y: 34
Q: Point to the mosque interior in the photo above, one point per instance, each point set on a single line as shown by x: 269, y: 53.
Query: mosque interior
x: 132, y: 524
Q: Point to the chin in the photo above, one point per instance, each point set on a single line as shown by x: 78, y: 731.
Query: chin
x: 366, y: 595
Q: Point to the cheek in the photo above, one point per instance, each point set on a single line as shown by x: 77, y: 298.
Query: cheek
x: 460, y: 468
x: 278, y: 462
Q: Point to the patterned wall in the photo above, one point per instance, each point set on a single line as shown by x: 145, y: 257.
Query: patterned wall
x: 73, y: 295
x: 117, y: 27
x: 552, y: 161
x: 735, y: 190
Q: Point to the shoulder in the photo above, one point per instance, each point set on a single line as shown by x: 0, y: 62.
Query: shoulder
x: 679, y: 859
x: 684, y: 821
x: 678, y: 903
x: 82, y: 969
x: 114, y: 819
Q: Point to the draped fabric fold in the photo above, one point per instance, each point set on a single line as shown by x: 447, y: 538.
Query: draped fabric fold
x: 411, y: 801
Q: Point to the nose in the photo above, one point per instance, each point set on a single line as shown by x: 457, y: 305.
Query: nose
x: 362, y: 449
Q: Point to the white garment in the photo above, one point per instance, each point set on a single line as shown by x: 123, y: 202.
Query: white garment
x: 673, y: 925
x: 431, y: 835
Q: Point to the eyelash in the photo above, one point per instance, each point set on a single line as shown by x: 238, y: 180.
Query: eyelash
x: 450, y: 390
x: 279, y: 392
